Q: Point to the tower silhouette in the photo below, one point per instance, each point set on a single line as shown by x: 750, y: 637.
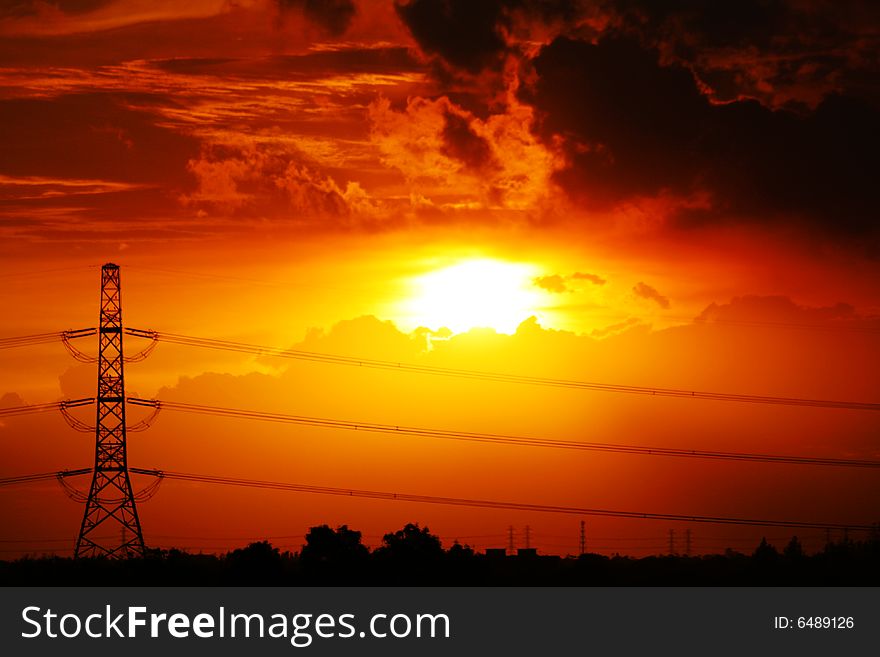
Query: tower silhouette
x: 110, y: 525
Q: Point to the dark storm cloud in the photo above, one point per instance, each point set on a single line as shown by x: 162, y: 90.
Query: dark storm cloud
x: 465, y: 34
x: 822, y: 166
x: 470, y: 35
x: 628, y: 123
x: 787, y: 53
x: 633, y: 127
x: 334, y: 16
x: 783, y: 52
x: 463, y: 144
x: 636, y: 110
x: 721, y: 23
x: 93, y: 136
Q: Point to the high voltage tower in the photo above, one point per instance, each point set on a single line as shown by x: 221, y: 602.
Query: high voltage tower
x: 110, y: 525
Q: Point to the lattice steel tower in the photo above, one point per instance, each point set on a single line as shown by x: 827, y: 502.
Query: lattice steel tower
x: 110, y: 525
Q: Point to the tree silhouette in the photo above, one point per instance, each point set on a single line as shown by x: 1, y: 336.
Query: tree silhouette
x: 409, y: 554
x: 765, y: 552
x: 413, y: 556
x: 794, y: 550
x: 333, y: 554
x: 412, y: 544
x: 259, y: 563
x: 459, y: 551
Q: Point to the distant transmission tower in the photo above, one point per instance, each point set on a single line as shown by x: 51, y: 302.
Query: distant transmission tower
x: 671, y: 542
x: 110, y: 525
x: 583, y: 537
x: 510, y: 544
x: 687, y: 543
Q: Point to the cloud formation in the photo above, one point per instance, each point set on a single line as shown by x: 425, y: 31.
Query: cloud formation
x: 592, y: 278
x: 784, y: 53
x: 751, y: 115
x: 551, y: 283
x: 557, y: 283
x: 645, y: 291
x: 334, y: 16
x: 755, y: 164
x: 474, y: 36
x: 275, y: 184
x: 446, y: 153
x: 63, y: 17
x: 755, y: 112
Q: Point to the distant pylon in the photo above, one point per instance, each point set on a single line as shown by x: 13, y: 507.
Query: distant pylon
x: 687, y: 542
x: 583, y: 537
x: 671, y: 542
x: 110, y: 525
x: 528, y: 537
x: 510, y: 545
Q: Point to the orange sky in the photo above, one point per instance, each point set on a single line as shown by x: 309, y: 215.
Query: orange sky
x: 618, y: 193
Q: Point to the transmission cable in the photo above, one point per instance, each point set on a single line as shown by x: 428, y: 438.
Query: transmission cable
x: 27, y: 340
x: 29, y: 409
x: 43, y: 476
x: 241, y: 347
x: 497, y: 438
x: 491, y: 504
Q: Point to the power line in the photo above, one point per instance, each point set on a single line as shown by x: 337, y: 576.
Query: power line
x: 66, y: 336
x: 45, y: 338
x: 488, y: 504
x: 42, y: 476
x: 241, y: 347
x: 28, y: 340
x: 36, y: 540
x: 29, y: 409
x: 26, y: 479
x: 498, y: 438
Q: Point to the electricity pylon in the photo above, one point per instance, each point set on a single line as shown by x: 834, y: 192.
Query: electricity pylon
x: 110, y: 525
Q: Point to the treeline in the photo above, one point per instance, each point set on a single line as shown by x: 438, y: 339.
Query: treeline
x: 414, y: 556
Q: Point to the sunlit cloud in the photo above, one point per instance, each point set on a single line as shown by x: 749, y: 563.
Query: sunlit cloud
x: 28, y: 188
x: 438, y: 146
x: 645, y: 291
x: 48, y: 19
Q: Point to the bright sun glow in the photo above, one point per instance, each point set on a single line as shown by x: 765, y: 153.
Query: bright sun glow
x: 475, y: 294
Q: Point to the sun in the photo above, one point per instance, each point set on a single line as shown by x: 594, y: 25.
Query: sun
x: 481, y: 293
